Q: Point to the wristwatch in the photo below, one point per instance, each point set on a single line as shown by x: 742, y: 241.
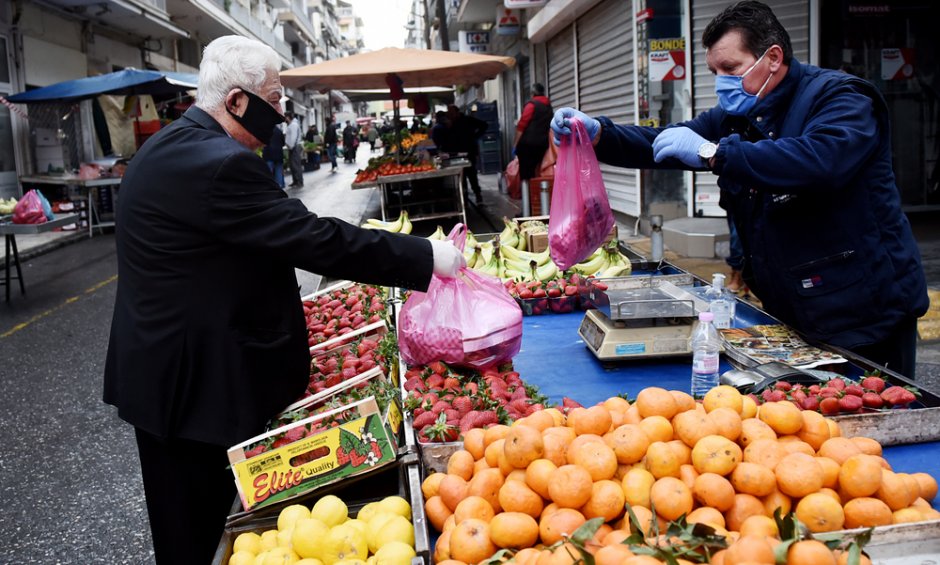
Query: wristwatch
x: 707, y: 150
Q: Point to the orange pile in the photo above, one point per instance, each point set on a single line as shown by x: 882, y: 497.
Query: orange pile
x: 722, y: 462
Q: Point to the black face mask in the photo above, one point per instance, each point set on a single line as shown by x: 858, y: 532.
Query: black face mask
x: 260, y: 118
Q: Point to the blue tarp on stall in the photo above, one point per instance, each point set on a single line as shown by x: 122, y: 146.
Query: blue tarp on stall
x: 126, y: 82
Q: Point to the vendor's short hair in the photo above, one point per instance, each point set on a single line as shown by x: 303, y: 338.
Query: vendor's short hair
x: 232, y: 61
x: 759, y: 27
x: 538, y: 89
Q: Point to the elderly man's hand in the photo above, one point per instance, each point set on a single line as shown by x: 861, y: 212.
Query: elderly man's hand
x: 680, y: 143
x: 561, y: 124
x: 447, y: 258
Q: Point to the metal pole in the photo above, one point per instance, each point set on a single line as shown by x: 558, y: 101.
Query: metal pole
x: 544, y: 197
x: 656, y: 238
x: 526, y: 208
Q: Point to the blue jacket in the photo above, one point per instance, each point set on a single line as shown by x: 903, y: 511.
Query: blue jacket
x: 807, y: 178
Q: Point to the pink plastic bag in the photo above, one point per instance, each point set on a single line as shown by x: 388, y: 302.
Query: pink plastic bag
x: 29, y: 209
x: 468, y: 320
x: 580, y: 218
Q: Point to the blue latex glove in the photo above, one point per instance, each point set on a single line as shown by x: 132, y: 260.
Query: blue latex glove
x: 562, y: 126
x: 513, y: 152
x: 681, y: 143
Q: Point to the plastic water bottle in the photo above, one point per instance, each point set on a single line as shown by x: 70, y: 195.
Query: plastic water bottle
x: 720, y: 302
x: 705, y: 346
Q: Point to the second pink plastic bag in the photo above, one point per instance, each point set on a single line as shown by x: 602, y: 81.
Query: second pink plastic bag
x: 468, y: 320
x: 580, y: 218
x: 29, y: 209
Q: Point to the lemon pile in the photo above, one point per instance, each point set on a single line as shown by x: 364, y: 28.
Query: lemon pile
x: 381, y: 534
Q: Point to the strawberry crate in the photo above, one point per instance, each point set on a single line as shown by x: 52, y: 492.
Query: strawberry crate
x: 343, y: 358
x: 295, y: 459
x: 372, y: 383
x: 403, y: 478
x: 343, y: 308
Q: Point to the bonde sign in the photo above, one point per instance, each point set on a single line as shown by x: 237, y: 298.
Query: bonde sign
x: 667, y: 59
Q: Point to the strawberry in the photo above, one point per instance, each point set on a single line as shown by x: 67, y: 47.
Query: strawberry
x: 872, y: 400
x: 488, y: 417
x: 452, y: 414
x: 837, y: 384
x: 798, y: 395
x: 810, y: 403
x: 295, y: 434
x: 440, y: 406
x: 424, y: 419
x: 571, y: 290
x: 435, y: 381
x: 472, y: 388
x: 518, y: 393
x: 854, y: 390
x: 829, y: 406
x: 874, y: 383
x: 469, y: 421
x: 438, y: 367
x: 450, y: 383
x: 520, y: 405
x: 828, y: 392
x: 536, y: 407
x: 569, y: 403
x: 463, y: 405
x: 783, y: 385
x: 850, y: 403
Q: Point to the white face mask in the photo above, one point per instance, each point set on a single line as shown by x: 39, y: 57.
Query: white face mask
x: 731, y: 94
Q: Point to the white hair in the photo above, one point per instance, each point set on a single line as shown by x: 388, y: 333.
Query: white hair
x: 233, y: 61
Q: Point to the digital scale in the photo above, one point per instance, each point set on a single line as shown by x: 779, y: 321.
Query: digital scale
x: 641, y: 317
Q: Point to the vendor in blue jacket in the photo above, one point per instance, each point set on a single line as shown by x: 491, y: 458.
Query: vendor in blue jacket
x: 803, y: 158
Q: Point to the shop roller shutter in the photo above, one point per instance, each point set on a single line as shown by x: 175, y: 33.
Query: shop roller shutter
x: 561, y: 77
x: 794, y: 16
x: 606, y: 86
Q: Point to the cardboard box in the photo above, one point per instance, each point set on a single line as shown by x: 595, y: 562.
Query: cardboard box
x: 292, y: 467
x: 538, y: 242
x: 391, y: 414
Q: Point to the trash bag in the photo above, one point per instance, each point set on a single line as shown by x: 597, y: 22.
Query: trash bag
x: 580, y: 218
x: 513, y: 185
x: 29, y: 210
x: 469, y: 320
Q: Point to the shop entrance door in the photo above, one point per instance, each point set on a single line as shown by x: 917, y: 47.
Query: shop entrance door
x: 894, y: 45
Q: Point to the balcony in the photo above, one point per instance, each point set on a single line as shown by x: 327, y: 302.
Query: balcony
x: 143, y: 18
x: 298, y: 24
x: 256, y: 27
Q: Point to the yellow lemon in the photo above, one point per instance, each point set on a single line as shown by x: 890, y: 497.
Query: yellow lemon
x: 368, y: 511
x: 344, y: 542
x: 394, y: 553
x: 331, y: 510
x: 309, y: 561
x: 259, y: 560
x: 268, y: 540
x: 360, y: 525
x: 281, y: 556
x: 294, y: 512
x: 350, y: 562
x: 395, y: 505
x: 248, y: 541
x: 284, y: 537
x: 398, y: 528
x: 242, y: 558
x: 307, y: 539
x: 375, y: 527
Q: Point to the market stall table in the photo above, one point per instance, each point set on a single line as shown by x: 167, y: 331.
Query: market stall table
x: 87, y: 186
x: 550, y: 338
x: 393, y: 188
x: 11, y: 230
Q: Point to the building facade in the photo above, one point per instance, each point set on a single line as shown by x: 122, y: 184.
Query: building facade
x: 43, y: 42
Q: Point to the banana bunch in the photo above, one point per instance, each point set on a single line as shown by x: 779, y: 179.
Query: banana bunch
x: 511, y: 235
x: 607, y: 261
x: 401, y: 225
x: 6, y: 206
x: 438, y: 234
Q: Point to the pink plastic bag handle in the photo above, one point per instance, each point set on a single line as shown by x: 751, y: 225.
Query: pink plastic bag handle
x: 459, y: 236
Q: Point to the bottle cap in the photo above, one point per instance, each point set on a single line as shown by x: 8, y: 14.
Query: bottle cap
x: 718, y: 280
x: 706, y: 316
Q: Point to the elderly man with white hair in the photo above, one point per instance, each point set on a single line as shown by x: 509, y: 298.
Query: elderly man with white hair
x: 208, y: 338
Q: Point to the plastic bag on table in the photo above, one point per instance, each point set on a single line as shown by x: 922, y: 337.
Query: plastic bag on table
x: 580, y: 218
x: 30, y: 210
x: 469, y: 320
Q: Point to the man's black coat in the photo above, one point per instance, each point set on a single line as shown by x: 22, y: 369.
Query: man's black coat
x: 208, y: 339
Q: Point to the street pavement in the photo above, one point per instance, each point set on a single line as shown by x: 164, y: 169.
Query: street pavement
x: 69, y: 473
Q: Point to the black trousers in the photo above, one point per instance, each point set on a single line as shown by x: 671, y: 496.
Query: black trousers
x: 897, y: 352
x: 470, y: 177
x: 189, y: 494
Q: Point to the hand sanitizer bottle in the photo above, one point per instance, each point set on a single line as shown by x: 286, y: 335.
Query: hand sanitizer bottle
x: 720, y: 303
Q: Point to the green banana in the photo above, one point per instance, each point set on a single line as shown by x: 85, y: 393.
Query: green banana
x: 406, y: 226
x: 592, y: 266
x: 476, y: 258
x: 373, y: 224
x: 525, y: 256
x: 616, y: 271
x: 547, y: 272
x: 438, y: 234
x: 491, y: 267
x: 471, y: 241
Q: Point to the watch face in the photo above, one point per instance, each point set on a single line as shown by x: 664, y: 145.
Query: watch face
x: 707, y: 150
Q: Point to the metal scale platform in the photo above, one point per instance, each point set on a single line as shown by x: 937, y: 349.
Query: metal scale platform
x: 641, y: 317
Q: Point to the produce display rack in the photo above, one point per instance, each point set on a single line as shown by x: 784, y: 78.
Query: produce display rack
x: 402, y: 479
x: 394, y: 186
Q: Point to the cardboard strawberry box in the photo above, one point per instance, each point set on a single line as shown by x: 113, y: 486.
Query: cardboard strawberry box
x: 352, y: 354
x: 323, y: 449
x: 373, y: 382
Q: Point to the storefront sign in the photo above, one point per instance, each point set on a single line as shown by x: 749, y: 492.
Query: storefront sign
x: 522, y: 4
x: 897, y: 64
x: 667, y: 59
x: 507, y: 21
x: 644, y: 15
x: 473, y: 41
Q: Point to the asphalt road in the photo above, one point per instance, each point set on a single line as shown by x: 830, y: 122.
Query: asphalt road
x: 69, y: 473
